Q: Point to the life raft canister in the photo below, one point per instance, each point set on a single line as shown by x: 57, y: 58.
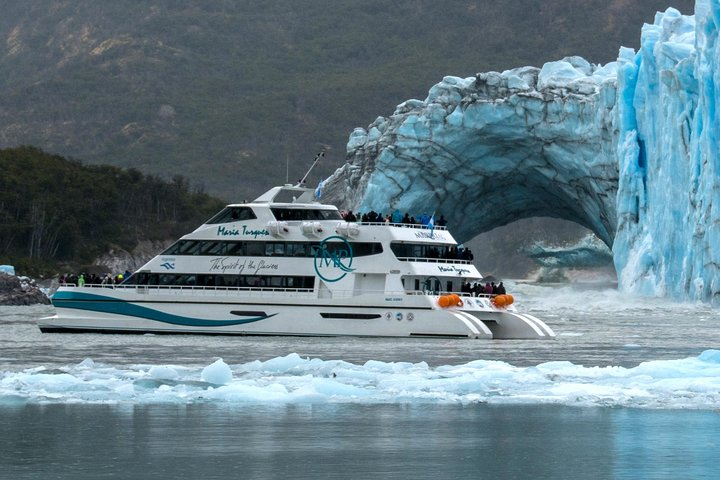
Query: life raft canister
x: 450, y: 300
x: 502, y: 301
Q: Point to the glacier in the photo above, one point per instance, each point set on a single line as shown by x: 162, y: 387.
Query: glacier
x: 628, y: 150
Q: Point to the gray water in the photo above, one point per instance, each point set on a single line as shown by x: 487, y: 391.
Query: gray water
x: 58, y: 436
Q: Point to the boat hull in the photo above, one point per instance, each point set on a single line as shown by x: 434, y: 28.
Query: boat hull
x: 229, y: 312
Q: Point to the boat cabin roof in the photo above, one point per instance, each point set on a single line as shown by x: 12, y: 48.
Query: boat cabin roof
x: 286, y: 194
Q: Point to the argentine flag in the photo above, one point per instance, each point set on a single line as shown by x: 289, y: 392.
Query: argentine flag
x: 431, y: 224
x: 318, y: 190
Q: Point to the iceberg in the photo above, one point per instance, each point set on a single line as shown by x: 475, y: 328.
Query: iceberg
x: 629, y: 150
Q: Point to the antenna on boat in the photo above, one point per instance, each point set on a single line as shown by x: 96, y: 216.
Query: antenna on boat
x: 317, y: 159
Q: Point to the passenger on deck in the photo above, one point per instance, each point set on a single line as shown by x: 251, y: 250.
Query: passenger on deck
x: 488, y: 288
x: 397, y: 216
x: 406, y: 218
x: 501, y: 289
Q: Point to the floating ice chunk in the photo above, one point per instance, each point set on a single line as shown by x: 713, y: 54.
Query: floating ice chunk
x: 218, y: 373
x: 710, y: 356
x: 161, y: 372
x: 87, y: 363
x: 683, y: 383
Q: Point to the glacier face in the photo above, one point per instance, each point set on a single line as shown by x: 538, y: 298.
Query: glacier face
x: 668, y: 238
x: 629, y: 150
x: 489, y: 150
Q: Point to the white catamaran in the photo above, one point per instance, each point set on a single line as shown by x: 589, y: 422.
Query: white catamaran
x: 285, y: 264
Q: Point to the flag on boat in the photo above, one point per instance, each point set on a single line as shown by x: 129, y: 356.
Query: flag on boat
x: 431, y: 224
x: 318, y: 190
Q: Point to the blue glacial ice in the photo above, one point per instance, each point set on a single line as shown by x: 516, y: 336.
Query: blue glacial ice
x: 690, y: 383
x: 630, y: 150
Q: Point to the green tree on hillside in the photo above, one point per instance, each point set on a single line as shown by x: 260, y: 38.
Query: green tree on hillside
x: 57, y: 210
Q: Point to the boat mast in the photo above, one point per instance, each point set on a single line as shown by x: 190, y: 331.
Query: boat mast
x: 317, y: 159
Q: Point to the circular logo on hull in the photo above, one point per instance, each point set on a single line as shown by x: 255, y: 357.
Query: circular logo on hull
x: 333, y: 259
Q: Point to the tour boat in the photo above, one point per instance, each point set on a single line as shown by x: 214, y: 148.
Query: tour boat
x: 285, y: 264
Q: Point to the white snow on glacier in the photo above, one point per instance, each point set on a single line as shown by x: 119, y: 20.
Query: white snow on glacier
x: 629, y: 150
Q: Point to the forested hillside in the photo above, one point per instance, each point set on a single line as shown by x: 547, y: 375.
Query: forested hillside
x: 227, y: 92
x: 55, y: 211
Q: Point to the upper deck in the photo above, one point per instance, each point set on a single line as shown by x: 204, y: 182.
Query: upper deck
x: 290, y: 213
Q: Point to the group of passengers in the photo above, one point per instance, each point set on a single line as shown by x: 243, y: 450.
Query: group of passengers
x: 395, y: 218
x: 451, y: 253
x: 92, y: 279
x: 477, y: 289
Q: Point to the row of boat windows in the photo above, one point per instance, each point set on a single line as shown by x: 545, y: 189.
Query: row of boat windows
x: 299, y: 249
x: 420, y: 250
x: 208, y: 280
x: 292, y: 214
x: 236, y: 214
x: 267, y: 249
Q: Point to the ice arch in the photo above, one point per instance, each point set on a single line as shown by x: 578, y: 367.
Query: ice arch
x: 489, y: 150
x: 502, y: 146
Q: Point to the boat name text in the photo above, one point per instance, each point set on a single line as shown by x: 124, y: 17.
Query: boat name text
x: 225, y: 232
x: 429, y: 234
x: 453, y: 268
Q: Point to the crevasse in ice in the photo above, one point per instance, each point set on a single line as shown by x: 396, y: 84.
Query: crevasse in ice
x: 629, y: 150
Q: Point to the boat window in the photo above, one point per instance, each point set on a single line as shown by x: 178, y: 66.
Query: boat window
x: 419, y: 250
x: 235, y: 249
x: 183, y: 247
x: 296, y: 249
x: 255, y: 249
x: 212, y: 248
x: 274, y: 249
x: 268, y: 249
x: 232, y: 214
x: 206, y: 280
x: 298, y: 214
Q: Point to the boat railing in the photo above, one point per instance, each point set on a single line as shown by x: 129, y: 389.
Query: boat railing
x: 205, y: 289
x: 211, y: 290
x: 460, y: 261
x: 419, y: 226
x: 404, y: 225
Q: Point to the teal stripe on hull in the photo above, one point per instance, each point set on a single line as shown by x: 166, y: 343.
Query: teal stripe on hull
x: 101, y: 303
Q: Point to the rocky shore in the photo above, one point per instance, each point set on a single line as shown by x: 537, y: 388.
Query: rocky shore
x: 20, y: 291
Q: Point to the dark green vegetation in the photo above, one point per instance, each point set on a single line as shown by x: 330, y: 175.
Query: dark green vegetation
x: 58, y: 212
x: 225, y: 92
